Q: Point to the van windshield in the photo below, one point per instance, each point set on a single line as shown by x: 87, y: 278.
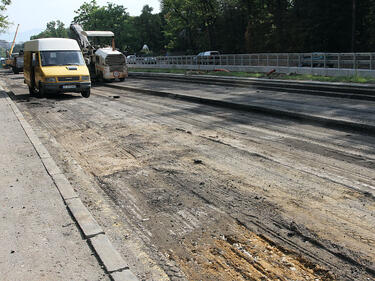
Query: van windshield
x: 54, y: 58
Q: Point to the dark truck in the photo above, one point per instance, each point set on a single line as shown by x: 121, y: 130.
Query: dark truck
x: 16, y: 62
x: 316, y: 60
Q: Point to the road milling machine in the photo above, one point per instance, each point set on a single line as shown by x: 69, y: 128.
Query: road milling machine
x: 104, y: 63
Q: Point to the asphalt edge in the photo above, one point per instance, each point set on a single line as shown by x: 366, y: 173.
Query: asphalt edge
x: 331, y: 123
x: 108, y: 256
x: 310, y: 90
x: 251, y: 80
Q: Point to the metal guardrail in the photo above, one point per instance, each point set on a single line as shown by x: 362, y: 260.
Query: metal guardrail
x: 365, y: 61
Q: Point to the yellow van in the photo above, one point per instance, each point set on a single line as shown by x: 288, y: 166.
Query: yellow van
x: 54, y: 65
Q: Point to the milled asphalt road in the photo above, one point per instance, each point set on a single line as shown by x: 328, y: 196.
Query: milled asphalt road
x: 354, y: 114
x: 303, y: 184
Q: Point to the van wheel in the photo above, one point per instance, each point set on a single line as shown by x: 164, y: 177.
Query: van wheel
x: 15, y: 70
x: 32, y: 90
x: 41, y: 92
x: 100, y: 77
x: 86, y: 93
x: 122, y: 79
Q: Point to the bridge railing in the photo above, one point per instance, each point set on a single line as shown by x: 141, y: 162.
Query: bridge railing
x: 364, y: 61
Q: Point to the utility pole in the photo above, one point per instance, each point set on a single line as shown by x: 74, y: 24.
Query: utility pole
x: 354, y: 8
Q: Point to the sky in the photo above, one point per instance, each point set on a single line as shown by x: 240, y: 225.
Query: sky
x: 33, y: 15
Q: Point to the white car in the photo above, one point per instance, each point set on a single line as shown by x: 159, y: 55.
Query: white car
x: 131, y: 59
x: 208, y: 57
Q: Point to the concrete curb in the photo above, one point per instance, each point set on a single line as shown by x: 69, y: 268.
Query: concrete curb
x: 327, y: 122
x: 90, y: 228
x: 110, y: 258
x: 125, y: 275
x: 113, y: 263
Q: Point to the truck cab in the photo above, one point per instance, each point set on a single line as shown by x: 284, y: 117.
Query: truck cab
x: 110, y: 64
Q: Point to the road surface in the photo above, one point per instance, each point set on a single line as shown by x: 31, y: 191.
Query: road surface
x: 187, y: 191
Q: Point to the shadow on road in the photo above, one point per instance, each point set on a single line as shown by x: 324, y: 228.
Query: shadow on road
x: 55, y: 97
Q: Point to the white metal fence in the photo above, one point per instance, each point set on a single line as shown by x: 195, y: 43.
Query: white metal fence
x: 329, y: 64
x: 321, y: 60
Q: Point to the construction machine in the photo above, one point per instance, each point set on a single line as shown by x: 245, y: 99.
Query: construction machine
x: 103, y: 62
x: 14, y: 60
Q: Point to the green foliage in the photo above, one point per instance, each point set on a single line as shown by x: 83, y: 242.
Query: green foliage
x: 234, y: 26
x: 190, y: 24
x: 55, y: 29
x: 131, y: 33
x: 111, y: 17
x: 302, y: 77
x: 4, y: 22
x: 148, y: 29
x: 3, y: 52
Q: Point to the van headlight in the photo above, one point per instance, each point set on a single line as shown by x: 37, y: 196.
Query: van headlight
x: 50, y: 79
x: 85, y: 78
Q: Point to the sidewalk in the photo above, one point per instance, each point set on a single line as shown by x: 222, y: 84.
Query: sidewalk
x: 38, y: 239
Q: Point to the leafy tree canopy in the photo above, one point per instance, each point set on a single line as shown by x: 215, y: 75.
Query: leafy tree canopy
x: 235, y: 26
x: 4, y: 22
x: 55, y: 29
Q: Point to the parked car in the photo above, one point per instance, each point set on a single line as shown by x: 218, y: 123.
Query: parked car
x: 207, y: 57
x: 131, y: 59
x: 149, y: 60
x: 317, y: 60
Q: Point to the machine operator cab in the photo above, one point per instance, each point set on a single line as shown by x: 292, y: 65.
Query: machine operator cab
x: 54, y: 65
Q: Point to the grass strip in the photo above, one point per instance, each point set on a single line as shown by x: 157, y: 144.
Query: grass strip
x: 293, y: 76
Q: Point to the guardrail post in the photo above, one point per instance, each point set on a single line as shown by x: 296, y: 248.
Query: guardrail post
x: 311, y: 60
x: 268, y: 60
x: 258, y: 60
x: 288, y: 60
x: 355, y: 66
x: 371, y: 59
x: 241, y: 59
x: 338, y: 61
x: 325, y: 60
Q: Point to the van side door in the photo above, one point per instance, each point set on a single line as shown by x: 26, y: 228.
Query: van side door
x: 37, y: 68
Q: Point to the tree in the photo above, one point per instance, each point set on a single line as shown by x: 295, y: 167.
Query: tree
x: 4, y: 23
x: 149, y: 30
x: 111, y: 17
x: 55, y: 29
x: 190, y: 24
x: 234, y: 26
x: 86, y: 15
